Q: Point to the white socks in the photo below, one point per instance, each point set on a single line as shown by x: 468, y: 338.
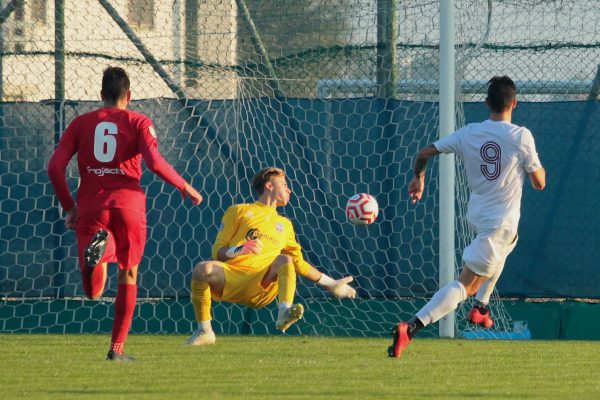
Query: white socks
x: 443, y: 302
x: 205, y: 326
x: 282, y: 309
x: 485, y: 290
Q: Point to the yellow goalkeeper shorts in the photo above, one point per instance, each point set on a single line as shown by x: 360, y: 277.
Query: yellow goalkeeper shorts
x: 242, y: 286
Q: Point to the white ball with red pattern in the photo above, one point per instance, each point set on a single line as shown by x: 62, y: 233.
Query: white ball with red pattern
x: 362, y: 209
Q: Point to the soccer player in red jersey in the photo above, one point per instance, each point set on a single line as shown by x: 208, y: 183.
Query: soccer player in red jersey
x: 109, y: 217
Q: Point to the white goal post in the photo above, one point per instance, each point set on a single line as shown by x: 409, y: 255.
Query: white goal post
x: 446, y: 164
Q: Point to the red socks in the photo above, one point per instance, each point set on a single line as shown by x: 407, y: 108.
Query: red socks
x: 124, y: 307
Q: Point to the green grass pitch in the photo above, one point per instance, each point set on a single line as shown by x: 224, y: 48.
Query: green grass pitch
x: 294, y: 367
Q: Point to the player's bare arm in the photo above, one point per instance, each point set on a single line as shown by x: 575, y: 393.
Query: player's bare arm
x: 538, y: 179
x: 193, y: 194
x: 417, y: 184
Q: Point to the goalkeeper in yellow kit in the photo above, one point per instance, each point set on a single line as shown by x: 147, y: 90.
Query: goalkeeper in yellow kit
x: 256, y: 258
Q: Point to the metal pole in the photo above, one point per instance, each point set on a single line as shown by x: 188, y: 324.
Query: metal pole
x: 446, y: 162
x: 192, y: 60
x: 59, y: 66
x: 176, y: 20
x: 387, y: 71
x: 58, y: 280
x: 1, y: 77
x: 595, y: 90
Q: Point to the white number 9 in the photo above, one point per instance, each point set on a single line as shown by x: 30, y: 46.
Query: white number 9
x: 105, y: 144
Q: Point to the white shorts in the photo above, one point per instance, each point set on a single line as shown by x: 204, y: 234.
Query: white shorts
x: 488, y: 251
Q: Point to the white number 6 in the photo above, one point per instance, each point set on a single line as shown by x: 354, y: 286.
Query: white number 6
x: 105, y: 144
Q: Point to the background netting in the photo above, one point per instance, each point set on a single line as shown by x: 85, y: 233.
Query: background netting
x: 234, y: 86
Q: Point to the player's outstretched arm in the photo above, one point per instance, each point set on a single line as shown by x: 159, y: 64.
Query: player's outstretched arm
x: 338, y: 288
x: 416, y: 188
x: 417, y: 184
x: 193, y: 194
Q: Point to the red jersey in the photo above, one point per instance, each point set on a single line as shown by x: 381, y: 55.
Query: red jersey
x: 110, y: 144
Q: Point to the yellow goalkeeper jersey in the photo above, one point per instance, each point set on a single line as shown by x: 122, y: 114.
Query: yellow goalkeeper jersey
x: 243, y: 222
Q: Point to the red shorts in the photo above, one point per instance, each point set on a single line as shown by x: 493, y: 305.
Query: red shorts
x: 127, y: 235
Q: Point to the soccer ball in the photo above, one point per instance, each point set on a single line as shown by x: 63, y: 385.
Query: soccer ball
x: 362, y: 209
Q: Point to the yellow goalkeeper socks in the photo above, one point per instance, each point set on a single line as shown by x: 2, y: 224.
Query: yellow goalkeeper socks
x: 286, y: 279
x: 201, y: 300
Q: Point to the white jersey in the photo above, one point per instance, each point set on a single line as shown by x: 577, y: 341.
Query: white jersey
x: 496, y: 156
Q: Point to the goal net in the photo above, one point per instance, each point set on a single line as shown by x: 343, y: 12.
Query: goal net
x: 341, y: 94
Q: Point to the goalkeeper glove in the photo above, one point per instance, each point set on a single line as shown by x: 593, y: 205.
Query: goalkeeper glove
x: 338, y: 288
x: 250, y: 247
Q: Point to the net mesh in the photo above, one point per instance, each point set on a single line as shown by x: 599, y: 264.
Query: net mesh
x: 234, y: 86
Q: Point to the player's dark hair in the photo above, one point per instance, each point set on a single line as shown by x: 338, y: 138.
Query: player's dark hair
x: 263, y: 176
x: 501, y: 93
x: 115, y: 84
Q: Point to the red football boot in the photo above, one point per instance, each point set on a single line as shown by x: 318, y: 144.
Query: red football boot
x: 401, y: 340
x: 484, y: 319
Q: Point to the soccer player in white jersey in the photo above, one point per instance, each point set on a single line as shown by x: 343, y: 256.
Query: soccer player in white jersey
x: 497, y: 155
